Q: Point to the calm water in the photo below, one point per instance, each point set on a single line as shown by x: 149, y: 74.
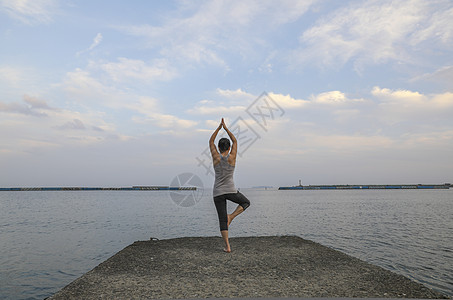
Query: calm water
x: 48, y: 239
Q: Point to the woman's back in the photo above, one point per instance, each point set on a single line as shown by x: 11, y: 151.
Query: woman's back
x: 224, y: 183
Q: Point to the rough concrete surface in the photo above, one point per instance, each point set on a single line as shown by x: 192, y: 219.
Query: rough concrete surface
x: 277, y: 266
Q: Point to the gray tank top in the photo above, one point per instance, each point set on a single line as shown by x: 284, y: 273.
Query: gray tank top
x: 223, y: 183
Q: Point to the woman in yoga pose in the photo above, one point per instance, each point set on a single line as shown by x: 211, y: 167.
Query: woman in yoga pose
x: 224, y: 162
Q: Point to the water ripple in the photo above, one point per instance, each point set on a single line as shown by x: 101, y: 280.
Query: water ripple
x: 49, y: 239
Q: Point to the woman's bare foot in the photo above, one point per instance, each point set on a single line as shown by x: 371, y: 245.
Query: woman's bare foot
x: 227, y: 248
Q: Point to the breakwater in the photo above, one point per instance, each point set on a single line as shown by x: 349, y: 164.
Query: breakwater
x: 195, y: 268
x: 368, y: 187
x: 133, y: 188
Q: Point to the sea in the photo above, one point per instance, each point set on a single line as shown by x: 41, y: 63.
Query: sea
x: 50, y: 238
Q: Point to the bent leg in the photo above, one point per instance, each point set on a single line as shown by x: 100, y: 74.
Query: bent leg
x: 243, y: 204
x: 235, y: 213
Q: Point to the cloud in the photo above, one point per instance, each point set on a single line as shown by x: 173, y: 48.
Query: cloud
x: 443, y: 75
x: 286, y: 101
x: 235, y: 94
x: 439, y: 138
x: 398, y: 96
x: 166, y: 121
x: 210, y: 107
x: 32, y: 107
x: 354, y: 143
x: 344, y: 115
x: 374, y: 32
x: 171, y: 121
x: 30, y: 11
x: 158, y: 70
x: 12, y: 76
x: 86, y: 89
x: 438, y: 26
x: 83, y: 87
x: 208, y: 33
x: 217, y: 110
x: 333, y: 97
x: 75, y: 124
x: 36, y: 103
x: 235, y: 104
x: 96, y: 41
x: 404, y: 105
x: 150, y: 112
x: 33, y: 125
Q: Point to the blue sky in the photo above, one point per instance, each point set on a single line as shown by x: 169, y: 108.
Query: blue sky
x: 120, y: 93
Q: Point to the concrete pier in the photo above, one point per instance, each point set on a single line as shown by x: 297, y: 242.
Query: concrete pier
x: 277, y: 266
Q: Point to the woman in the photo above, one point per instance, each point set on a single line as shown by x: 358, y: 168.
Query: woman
x: 224, y: 162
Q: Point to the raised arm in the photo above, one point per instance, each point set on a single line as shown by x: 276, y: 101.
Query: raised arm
x: 214, y: 153
x: 234, y: 146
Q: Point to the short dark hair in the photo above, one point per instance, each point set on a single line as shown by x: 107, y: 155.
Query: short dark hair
x: 224, y: 144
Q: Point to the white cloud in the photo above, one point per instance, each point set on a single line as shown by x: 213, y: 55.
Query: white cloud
x: 286, y: 101
x: 36, y: 103
x: 170, y: 121
x: 215, y: 29
x: 166, y: 121
x: 333, y: 97
x: 237, y: 102
x: 217, y: 110
x: 125, y: 68
x: 326, y: 98
x: 30, y: 11
x: 150, y: 112
x: 235, y: 94
x: 33, y: 126
x: 32, y: 107
x: 84, y: 88
x: 81, y: 80
x: 12, y: 76
x: 373, y: 32
x: 439, y: 138
x: 91, y: 86
x: 438, y: 26
x: 443, y: 101
x: 344, y: 115
x: 87, y: 90
x: 75, y: 124
x: 398, y: 96
x: 443, y: 75
x: 404, y: 105
x: 349, y: 143
x: 96, y: 41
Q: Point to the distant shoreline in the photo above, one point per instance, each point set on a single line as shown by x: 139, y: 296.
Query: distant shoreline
x: 368, y: 187
x: 193, y: 188
x: 133, y: 188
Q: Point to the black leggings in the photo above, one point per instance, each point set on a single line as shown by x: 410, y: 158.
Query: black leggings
x: 221, y: 206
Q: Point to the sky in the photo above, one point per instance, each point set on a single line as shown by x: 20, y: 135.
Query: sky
x: 121, y: 93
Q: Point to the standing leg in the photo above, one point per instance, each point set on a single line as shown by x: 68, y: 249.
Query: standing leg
x: 221, y: 207
x: 227, y: 248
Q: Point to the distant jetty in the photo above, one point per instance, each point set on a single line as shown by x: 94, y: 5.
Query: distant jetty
x: 133, y: 188
x: 368, y: 187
